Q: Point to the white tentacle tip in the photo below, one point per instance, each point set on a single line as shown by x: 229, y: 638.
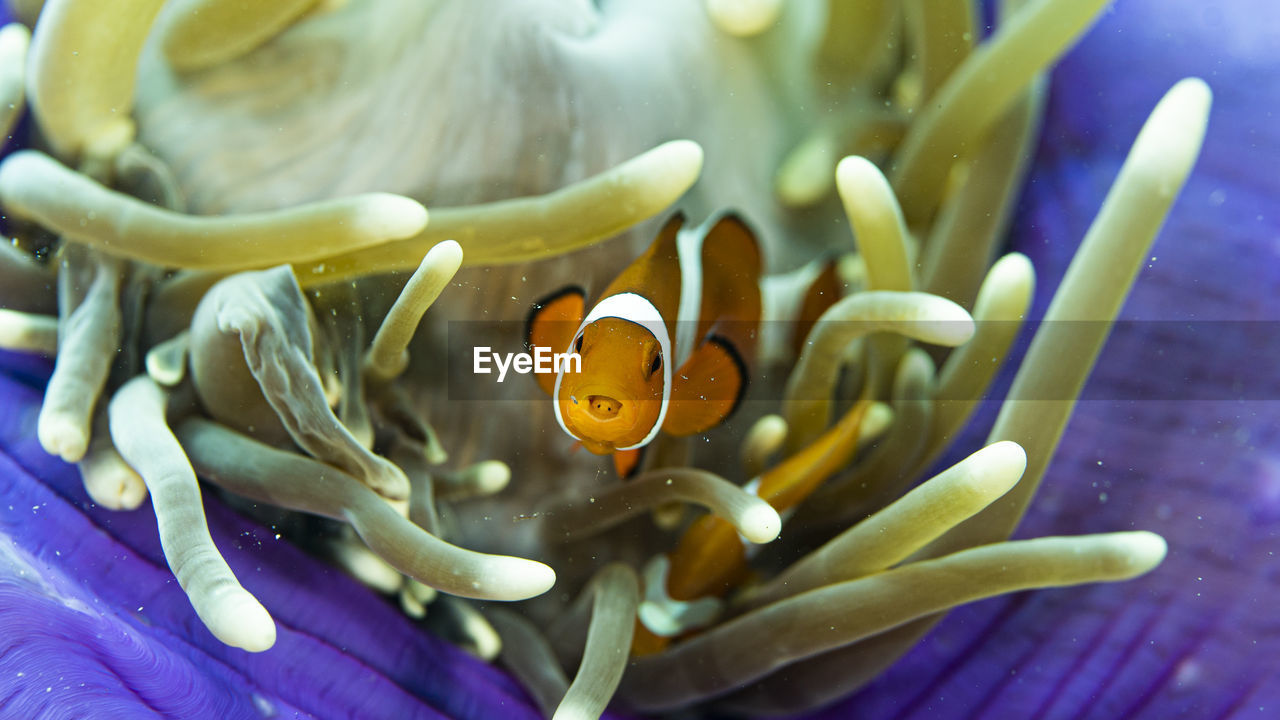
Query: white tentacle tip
x: 760, y: 523
x: 114, y: 485
x: 241, y: 621
x: 537, y: 578
x: 1004, y: 461
x: 744, y: 18
x: 1191, y: 96
x: 446, y: 256
x: 772, y: 426
x: 14, y: 38
x: 676, y: 163
x: 63, y: 437
x: 804, y: 178
x: 878, y: 419
x: 1014, y: 269
x: 684, y: 152
x: 391, y: 216
x: 950, y: 324
x: 854, y: 171
x: 1170, y: 141
x: 514, y: 579
x: 1141, y: 550
x: 490, y: 476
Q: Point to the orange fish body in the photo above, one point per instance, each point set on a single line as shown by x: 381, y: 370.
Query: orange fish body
x: 664, y: 349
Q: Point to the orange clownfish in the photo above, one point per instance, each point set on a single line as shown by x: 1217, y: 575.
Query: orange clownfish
x: 665, y: 348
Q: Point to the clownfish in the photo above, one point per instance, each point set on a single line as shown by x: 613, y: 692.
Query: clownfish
x: 665, y: 348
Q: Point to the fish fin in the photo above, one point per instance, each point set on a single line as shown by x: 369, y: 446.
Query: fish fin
x: 707, y: 388
x: 731, y: 266
x: 795, y: 478
x: 627, y: 462
x: 655, y: 274
x: 552, y: 323
x: 823, y: 292
x: 669, y: 228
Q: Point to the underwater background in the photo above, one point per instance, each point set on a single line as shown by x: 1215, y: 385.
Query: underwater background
x: 91, y: 617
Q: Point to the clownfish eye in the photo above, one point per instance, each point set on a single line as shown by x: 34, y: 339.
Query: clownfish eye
x: 577, y: 345
x: 656, y: 364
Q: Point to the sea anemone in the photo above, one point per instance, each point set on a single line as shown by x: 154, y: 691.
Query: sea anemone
x: 275, y: 391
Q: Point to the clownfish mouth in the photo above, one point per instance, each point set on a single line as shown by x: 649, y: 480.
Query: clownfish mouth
x: 602, y: 407
x: 602, y: 419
